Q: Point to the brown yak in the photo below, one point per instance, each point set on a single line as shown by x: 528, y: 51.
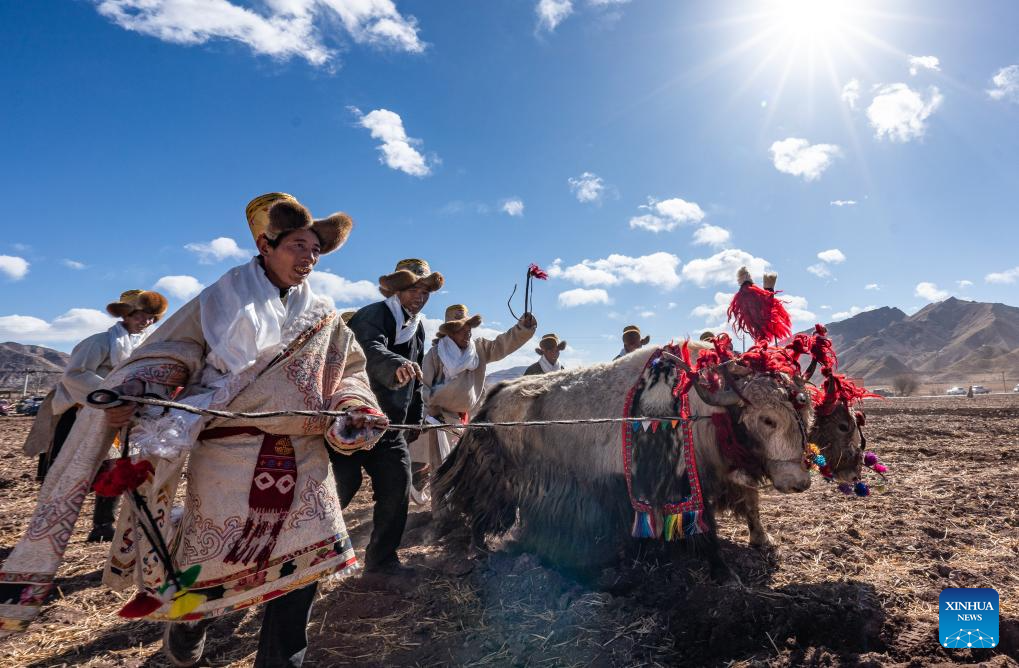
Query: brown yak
x: 565, y: 485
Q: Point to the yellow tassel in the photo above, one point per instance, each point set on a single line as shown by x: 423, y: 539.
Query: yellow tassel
x: 185, y: 603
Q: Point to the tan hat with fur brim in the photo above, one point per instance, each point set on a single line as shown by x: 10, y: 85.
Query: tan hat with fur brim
x: 275, y: 214
x: 634, y: 329
x: 410, y: 272
x: 553, y: 342
x: 148, y: 301
x: 458, y: 317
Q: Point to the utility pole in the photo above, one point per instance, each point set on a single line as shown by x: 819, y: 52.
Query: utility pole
x: 1004, y: 387
x: 24, y: 390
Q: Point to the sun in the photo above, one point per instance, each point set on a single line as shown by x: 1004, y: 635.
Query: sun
x: 809, y: 20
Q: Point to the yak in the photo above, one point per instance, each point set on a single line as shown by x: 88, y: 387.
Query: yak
x: 565, y: 486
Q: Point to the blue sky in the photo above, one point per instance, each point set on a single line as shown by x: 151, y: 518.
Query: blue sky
x: 865, y: 151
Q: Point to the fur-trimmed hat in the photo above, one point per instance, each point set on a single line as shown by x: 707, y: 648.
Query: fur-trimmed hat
x: 410, y: 272
x: 274, y: 214
x: 458, y: 317
x: 634, y: 329
x: 550, y: 341
x: 346, y: 316
x: 707, y: 335
x: 148, y: 301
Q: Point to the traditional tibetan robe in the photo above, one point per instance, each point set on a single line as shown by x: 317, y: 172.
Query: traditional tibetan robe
x: 451, y: 400
x: 261, y: 515
x: 90, y: 362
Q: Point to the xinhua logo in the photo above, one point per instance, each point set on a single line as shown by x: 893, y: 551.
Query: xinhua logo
x: 968, y: 618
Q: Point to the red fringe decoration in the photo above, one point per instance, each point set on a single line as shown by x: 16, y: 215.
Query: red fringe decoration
x: 759, y: 313
x: 763, y: 358
x: 723, y: 347
x: 838, y: 388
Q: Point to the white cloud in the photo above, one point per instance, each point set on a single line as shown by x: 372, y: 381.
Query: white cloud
x: 964, y: 284
x: 588, y: 187
x: 341, y: 290
x: 397, y: 148
x: 900, y: 113
x: 288, y: 28
x: 647, y: 314
x: 657, y: 269
x: 843, y: 202
x: 666, y: 215
x: 217, y: 250
x: 853, y: 310
x: 73, y: 264
x: 513, y: 207
x: 582, y: 297
x: 13, y: 267
x: 851, y: 93
x: 799, y: 157
x: 552, y: 12
x: 714, y: 312
x: 819, y: 270
x: 832, y: 256
x: 872, y: 286
x: 916, y: 63
x: 930, y: 292
x: 73, y: 325
x: 1007, y: 276
x: 1006, y: 84
x: 722, y: 267
x: 827, y: 257
x: 798, y: 309
x: 711, y: 235
x: 181, y: 287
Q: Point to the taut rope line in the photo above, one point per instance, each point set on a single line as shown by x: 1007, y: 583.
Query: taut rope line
x: 110, y: 399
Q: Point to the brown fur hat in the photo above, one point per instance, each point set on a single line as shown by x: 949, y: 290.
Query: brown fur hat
x: 634, y: 330
x: 457, y: 317
x: 275, y: 214
x: 148, y: 301
x: 410, y: 272
x: 550, y: 341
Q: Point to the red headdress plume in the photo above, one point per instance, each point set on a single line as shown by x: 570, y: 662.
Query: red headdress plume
x: 838, y: 388
x: 757, y: 311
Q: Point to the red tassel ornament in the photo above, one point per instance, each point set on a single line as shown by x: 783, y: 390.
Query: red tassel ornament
x: 142, y: 605
x: 758, y: 312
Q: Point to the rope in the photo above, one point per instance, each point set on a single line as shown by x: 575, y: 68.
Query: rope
x: 208, y: 412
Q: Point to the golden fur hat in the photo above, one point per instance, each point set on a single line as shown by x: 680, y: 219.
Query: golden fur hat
x: 458, y: 317
x: 410, y: 272
x: 634, y: 329
x: 148, y: 301
x: 274, y: 214
x: 550, y: 341
x: 346, y: 316
x: 707, y: 335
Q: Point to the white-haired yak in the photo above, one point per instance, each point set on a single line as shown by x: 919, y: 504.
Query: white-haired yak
x: 567, y: 485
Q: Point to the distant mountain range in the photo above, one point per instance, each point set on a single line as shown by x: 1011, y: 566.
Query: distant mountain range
x: 948, y: 341
x: 945, y: 341
x: 44, y: 366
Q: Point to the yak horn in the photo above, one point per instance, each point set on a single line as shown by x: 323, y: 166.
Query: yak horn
x: 739, y: 371
x: 719, y: 398
x: 676, y: 360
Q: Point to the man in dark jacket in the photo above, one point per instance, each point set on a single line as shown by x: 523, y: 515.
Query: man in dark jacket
x: 393, y: 339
